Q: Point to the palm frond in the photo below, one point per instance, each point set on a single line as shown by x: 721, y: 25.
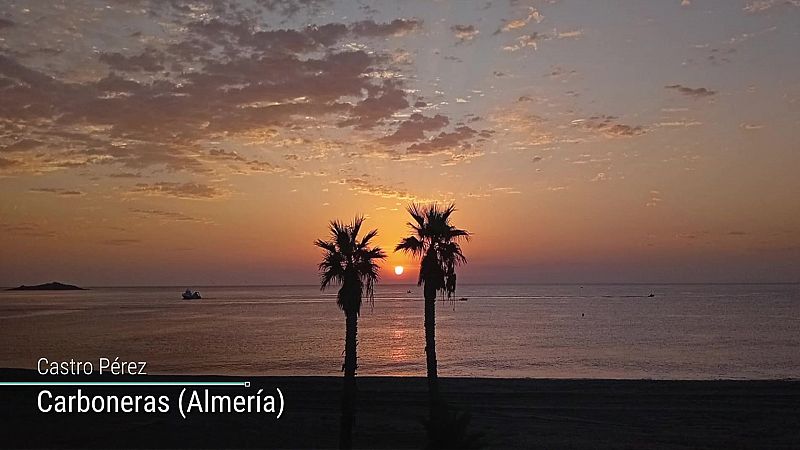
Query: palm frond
x: 367, y: 237
x: 455, y: 233
x: 350, y: 263
x: 411, y: 245
x: 435, y: 241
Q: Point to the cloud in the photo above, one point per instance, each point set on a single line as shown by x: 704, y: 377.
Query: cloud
x: 225, y: 155
x: 464, y: 32
x: 180, y: 190
x: 413, y: 129
x: 560, y: 73
x: 125, y: 175
x: 609, y: 127
x: 374, y: 110
x: 750, y: 126
x: 170, y: 216
x: 525, y: 41
x: 121, y: 242
x: 7, y: 163
x: 532, y: 15
x: 574, y: 34
x: 757, y: 6
x: 654, y: 200
x: 679, y: 123
x: 527, y: 129
x: 27, y: 229
x: 21, y: 145
x: 445, y: 141
x: 491, y: 191
x: 364, y: 186
x: 397, y: 27
x: 691, y: 235
x: 148, y: 61
x: 58, y: 191
x: 692, y: 92
x: 219, y: 78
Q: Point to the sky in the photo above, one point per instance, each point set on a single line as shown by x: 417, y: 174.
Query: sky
x: 196, y: 143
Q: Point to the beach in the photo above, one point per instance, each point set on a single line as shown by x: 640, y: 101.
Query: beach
x: 509, y: 413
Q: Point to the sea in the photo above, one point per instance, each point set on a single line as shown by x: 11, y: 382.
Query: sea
x: 682, y: 331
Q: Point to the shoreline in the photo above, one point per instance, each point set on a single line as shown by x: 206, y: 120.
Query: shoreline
x: 510, y: 412
x: 27, y: 372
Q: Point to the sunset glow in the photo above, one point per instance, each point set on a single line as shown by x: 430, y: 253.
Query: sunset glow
x: 578, y: 143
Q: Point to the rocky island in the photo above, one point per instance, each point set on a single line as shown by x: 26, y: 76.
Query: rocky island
x: 53, y: 286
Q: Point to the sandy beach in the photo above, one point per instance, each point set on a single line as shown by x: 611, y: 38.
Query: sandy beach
x: 521, y: 413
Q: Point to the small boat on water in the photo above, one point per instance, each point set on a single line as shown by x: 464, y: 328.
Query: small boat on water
x: 189, y: 295
x: 651, y: 295
x: 463, y: 299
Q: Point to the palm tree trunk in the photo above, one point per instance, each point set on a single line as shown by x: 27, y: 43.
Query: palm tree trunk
x: 349, y: 393
x: 430, y: 345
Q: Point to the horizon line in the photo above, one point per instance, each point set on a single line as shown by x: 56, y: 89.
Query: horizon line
x: 635, y: 283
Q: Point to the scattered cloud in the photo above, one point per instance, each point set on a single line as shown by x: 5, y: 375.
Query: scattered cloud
x: 58, y: 191
x: 691, y: 92
x: 679, y: 123
x: 533, y: 15
x: 490, y: 191
x: 180, y: 190
x: 156, y: 106
x: 445, y: 141
x: 362, y: 185
x: 27, y: 229
x: 413, y: 129
x: 169, y: 216
x: 125, y: 175
x: 757, y: 6
x: 573, y: 34
x: 525, y: 41
x: 397, y: 27
x: 121, y: 242
x: 609, y: 127
x: 464, y: 32
x: 7, y: 163
x: 654, y: 200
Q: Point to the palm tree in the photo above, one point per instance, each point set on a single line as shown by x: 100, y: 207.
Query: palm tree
x: 353, y: 265
x: 436, y: 242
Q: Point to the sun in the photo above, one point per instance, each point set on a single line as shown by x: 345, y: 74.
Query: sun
x: 398, y: 270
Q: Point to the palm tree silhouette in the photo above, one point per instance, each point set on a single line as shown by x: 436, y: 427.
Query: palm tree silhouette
x: 436, y: 242
x: 353, y: 265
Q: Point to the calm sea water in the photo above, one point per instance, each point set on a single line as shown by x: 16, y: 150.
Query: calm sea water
x: 594, y: 331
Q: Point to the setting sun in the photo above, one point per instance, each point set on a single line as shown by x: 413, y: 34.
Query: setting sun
x: 398, y: 270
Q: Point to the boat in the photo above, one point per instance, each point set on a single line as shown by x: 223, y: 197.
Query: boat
x: 463, y: 299
x: 189, y: 295
x: 651, y: 295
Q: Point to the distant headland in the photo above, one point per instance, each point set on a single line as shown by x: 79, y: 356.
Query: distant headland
x: 54, y: 286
